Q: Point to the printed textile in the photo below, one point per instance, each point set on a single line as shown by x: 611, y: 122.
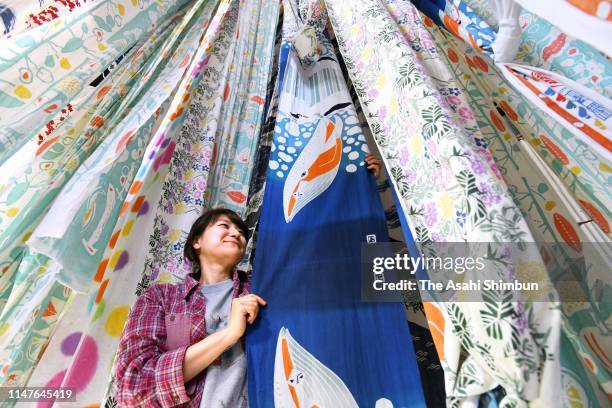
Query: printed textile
x: 166, y: 189
x: 316, y: 343
x: 534, y: 155
x: 450, y: 190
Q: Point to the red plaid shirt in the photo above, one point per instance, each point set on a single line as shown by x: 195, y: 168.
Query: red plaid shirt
x: 164, y: 321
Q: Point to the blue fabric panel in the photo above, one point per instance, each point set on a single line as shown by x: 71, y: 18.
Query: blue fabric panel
x: 432, y: 9
x: 307, y: 267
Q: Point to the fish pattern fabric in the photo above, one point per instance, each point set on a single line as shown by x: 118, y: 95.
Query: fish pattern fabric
x: 316, y: 343
x: 301, y: 379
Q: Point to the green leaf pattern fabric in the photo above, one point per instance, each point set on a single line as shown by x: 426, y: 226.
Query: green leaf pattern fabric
x: 431, y: 158
x: 542, y: 197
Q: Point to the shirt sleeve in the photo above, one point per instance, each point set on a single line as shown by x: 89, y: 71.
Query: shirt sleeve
x: 145, y: 372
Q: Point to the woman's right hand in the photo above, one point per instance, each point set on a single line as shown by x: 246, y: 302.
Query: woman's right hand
x: 244, y: 310
x: 202, y: 354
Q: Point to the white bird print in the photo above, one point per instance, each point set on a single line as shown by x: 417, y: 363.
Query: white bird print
x: 95, y: 235
x: 302, y: 381
x: 315, y: 168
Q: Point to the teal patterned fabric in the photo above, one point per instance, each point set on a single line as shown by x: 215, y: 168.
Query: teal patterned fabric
x: 546, y: 46
x: 118, y: 156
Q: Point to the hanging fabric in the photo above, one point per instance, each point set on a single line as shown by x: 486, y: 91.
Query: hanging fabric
x: 587, y: 20
x: 431, y: 159
x: 266, y: 134
x: 29, y: 278
x: 541, y: 196
x: 464, y: 23
x: 80, y: 355
x: 461, y: 21
x: 583, y: 112
x: 426, y: 355
x: 229, y: 130
x: 430, y: 354
x: 47, y: 69
x: 19, y: 16
x: 179, y: 201
x: 547, y: 47
x: 514, y: 131
x: 559, y: 217
x: 230, y: 31
x: 321, y: 346
x: 580, y: 109
x: 79, y: 223
x: 95, y: 191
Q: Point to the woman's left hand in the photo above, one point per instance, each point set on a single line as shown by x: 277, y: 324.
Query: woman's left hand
x: 373, y: 164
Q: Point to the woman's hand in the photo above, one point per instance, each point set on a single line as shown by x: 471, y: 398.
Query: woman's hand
x: 202, y: 354
x: 244, y: 310
x: 373, y: 164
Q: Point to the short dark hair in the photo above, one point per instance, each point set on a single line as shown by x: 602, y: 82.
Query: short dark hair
x: 200, y: 225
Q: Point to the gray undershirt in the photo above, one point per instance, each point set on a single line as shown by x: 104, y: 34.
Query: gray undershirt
x: 226, y: 383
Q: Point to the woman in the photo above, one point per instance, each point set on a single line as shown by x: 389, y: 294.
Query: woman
x: 180, y: 345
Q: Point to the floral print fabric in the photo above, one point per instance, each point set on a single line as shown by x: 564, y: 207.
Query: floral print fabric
x: 521, y: 139
x: 450, y: 189
x: 583, y: 112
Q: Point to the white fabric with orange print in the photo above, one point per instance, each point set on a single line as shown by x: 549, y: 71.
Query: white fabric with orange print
x: 585, y: 113
x: 587, y: 20
x: 167, y: 180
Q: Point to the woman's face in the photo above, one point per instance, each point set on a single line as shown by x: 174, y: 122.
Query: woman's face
x: 222, y: 240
